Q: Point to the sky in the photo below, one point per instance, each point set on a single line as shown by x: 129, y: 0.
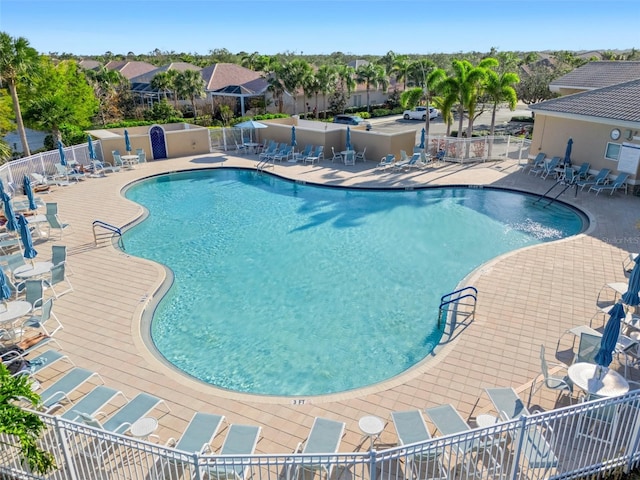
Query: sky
x: 371, y: 27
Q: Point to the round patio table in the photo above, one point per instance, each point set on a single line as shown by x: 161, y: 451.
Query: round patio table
x: 597, y: 380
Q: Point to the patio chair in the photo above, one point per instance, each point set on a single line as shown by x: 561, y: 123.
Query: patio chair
x: 559, y: 384
x: 316, y: 155
x: 550, y: 168
x: 63, y: 174
x: 59, y: 255
x: 100, y: 168
x: 361, y: 155
x: 582, y: 173
x: 92, y: 403
x: 386, y: 161
x: 55, y: 224
x: 57, y: 277
x: 619, y: 182
x: 122, y: 419
x: 410, y: 163
x: 599, y: 179
x: 40, y: 320
x: 350, y: 158
x: 336, y: 157
x: 41, y: 362
x: 449, y: 422
x: 34, y: 293
x: 588, y: 347
x: 411, y: 428
x: 200, y: 431
x: 300, y: 156
x: 58, y: 393
x: 241, y: 440
x: 536, y: 164
x: 535, y: 447
x: 324, y: 438
x: 266, y: 154
x: 283, y: 154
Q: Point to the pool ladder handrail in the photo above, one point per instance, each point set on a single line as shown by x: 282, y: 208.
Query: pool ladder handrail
x: 264, y: 163
x: 111, y: 228
x: 447, y: 299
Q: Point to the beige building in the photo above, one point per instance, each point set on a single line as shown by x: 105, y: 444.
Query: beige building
x: 603, y: 121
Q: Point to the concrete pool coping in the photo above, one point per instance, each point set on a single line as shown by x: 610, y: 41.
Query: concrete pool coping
x: 526, y: 298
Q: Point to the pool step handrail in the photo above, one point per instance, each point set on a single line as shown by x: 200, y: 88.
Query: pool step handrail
x: 264, y: 163
x: 454, y: 299
x: 112, y: 229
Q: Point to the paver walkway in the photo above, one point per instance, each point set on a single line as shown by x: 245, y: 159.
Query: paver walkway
x: 525, y: 298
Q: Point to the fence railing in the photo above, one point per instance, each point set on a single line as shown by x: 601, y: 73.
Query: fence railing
x: 590, y: 438
x: 479, y: 149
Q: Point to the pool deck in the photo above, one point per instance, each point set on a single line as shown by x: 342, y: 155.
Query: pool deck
x: 526, y: 298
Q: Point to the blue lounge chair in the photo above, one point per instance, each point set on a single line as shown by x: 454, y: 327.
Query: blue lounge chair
x: 449, y: 422
x: 91, y: 403
x: 387, y: 161
x: 535, y: 446
x: 411, y: 429
x: 198, y: 435
x: 599, y: 179
x: 537, y: 163
x: 240, y: 440
x: 550, y: 167
x: 52, y: 397
x: 583, y: 172
x: 324, y: 438
x: 619, y: 182
x: 409, y: 163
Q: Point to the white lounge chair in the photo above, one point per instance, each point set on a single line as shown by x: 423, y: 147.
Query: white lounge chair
x: 58, y: 393
x: 92, y: 403
x: 324, y: 438
x: 240, y: 440
x: 200, y: 431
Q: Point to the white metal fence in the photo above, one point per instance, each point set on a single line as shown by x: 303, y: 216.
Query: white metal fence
x: 479, y: 149
x: 586, y: 439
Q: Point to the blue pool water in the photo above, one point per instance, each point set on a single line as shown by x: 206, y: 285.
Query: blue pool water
x: 289, y: 289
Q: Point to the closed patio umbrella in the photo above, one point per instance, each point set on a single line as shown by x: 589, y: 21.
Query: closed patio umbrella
x: 631, y: 297
x: 567, y: 153
x: 127, y: 143
x: 5, y: 291
x: 26, y: 186
x: 610, y: 336
x: 348, y: 142
x: 92, y: 153
x: 25, y: 235
x: 63, y: 158
x: 11, y: 224
x: 422, y: 137
x: 293, y: 137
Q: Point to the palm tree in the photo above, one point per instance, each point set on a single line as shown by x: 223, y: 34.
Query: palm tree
x: 105, y: 83
x: 445, y: 105
x: 371, y: 76
x: 190, y: 85
x: 401, y: 69
x: 250, y: 60
x: 162, y: 82
x: 327, y: 77
x: 292, y: 74
x: 17, y: 60
x: 499, y: 89
x: 277, y: 90
x: 345, y: 79
x: 464, y: 87
x: 173, y: 75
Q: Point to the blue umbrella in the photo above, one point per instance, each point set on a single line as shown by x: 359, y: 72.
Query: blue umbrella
x: 567, y: 153
x: 92, y: 153
x: 1, y: 186
x: 25, y: 236
x: 631, y: 297
x: 8, y: 212
x: 423, y: 135
x: 127, y: 143
x: 610, y: 336
x: 26, y: 186
x: 348, y: 138
x: 293, y: 137
x: 5, y: 291
x: 63, y: 159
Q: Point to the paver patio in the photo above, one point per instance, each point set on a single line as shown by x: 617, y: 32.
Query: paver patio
x: 525, y: 298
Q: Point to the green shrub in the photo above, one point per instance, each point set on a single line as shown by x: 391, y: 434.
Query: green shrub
x: 381, y: 112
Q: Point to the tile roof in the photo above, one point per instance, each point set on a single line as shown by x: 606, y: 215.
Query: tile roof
x: 616, y: 102
x: 598, y: 75
x: 221, y: 75
x: 146, y: 77
x: 130, y: 69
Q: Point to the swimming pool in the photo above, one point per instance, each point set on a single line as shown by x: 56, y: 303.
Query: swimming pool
x: 289, y: 289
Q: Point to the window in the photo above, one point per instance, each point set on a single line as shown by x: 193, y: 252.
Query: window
x: 612, y: 152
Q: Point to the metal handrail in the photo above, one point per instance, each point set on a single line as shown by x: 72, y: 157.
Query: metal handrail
x: 447, y: 300
x: 111, y: 228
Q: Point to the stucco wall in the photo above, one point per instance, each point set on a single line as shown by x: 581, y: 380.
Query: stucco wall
x: 550, y: 135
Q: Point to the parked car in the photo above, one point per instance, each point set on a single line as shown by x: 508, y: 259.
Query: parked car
x: 351, y: 120
x: 420, y: 113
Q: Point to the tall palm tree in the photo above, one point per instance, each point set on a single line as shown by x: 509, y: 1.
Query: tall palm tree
x: 191, y: 85
x: 371, y: 76
x: 162, y: 82
x: 499, y: 89
x: 445, y: 104
x: 464, y: 87
x: 401, y: 69
x: 17, y: 60
x: 346, y: 79
x: 276, y: 89
x: 311, y: 86
x: 327, y: 77
x: 173, y: 75
x: 250, y: 60
x: 292, y: 74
